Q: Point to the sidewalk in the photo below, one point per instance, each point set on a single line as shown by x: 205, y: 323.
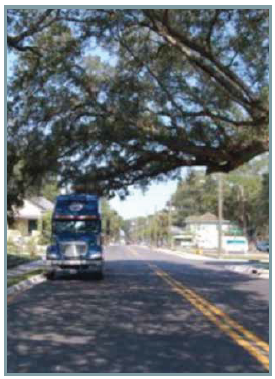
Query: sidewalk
x: 198, y: 257
x: 186, y: 255
x: 24, y: 268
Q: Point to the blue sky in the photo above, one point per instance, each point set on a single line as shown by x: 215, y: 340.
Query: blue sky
x: 139, y: 204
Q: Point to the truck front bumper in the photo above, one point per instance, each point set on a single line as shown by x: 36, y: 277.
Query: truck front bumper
x: 80, y: 264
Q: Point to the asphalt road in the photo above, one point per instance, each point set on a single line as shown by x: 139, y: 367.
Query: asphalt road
x: 153, y: 313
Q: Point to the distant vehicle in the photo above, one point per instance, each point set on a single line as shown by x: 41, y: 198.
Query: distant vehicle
x: 262, y: 246
x: 76, y: 236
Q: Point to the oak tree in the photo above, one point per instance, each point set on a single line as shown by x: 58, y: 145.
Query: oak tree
x: 112, y: 98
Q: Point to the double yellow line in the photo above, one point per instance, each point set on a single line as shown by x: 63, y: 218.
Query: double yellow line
x: 243, y: 337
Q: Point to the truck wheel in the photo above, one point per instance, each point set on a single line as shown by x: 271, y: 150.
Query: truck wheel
x: 50, y: 275
x: 99, y: 275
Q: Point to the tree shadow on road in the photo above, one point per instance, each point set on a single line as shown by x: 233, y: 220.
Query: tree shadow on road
x: 131, y: 323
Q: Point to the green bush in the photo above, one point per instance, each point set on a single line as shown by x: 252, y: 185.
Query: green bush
x: 12, y: 248
x: 46, y: 229
x: 32, y: 246
x: 44, y: 238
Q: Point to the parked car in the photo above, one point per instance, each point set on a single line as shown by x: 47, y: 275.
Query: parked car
x: 263, y: 246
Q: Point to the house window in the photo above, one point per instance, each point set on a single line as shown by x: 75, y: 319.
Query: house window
x: 32, y: 226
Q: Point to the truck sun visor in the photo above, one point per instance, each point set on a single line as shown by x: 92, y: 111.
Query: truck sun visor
x: 79, y: 208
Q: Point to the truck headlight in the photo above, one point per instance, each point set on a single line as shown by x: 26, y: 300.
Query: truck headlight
x: 94, y: 254
x: 52, y: 252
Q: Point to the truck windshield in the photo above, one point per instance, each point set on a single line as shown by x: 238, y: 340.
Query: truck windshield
x: 76, y: 226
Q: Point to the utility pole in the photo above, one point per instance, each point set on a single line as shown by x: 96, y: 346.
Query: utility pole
x: 242, y: 198
x: 170, y: 224
x: 220, y: 212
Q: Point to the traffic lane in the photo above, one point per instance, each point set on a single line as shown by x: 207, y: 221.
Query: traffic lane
x: 241, y: 296
x: 129, y: 323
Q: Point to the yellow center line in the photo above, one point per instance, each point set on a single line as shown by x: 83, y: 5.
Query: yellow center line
x: 244, y: 338
x: 220, y: 323
x: 260, y: 343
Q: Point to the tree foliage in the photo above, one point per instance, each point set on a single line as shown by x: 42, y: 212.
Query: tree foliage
x: 195, y: 195
x: 166, y: 89
x: 111, y: 220
x: 245, y: 196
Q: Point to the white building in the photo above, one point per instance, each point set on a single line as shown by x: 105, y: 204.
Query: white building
x: 28, y: 216
x: 205, y: 228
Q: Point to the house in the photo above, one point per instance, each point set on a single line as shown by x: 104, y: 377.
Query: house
x: 205, y: 228
x: 207, y: 223
x: 203, y: 232
x: 26, y: 218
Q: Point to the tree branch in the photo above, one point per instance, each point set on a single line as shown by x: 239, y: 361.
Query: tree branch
x: 15, y: 42
x: 190, y: 48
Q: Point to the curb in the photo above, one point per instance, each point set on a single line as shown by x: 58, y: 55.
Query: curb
x: 250, y: 270
x: 26, y: 284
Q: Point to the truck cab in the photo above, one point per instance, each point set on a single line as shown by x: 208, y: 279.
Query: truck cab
x: 76, y: 236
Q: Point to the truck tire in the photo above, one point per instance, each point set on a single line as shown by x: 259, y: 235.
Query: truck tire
x: 50, y: 275
x: 99, y: 275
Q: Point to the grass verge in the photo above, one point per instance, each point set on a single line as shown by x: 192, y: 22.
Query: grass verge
x: 20, y: 278
x: 262, y: 265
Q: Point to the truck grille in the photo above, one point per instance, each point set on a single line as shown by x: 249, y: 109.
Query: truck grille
x: 73, y: 250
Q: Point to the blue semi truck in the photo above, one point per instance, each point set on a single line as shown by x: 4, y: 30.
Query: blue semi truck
x: 76, y: 236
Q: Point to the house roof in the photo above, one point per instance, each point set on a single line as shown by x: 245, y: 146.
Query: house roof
x: 42, y: 203
x: 28, y: 211
x: 205, y: 218
x: 33, y: 208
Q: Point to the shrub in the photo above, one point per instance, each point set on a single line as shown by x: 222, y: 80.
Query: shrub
x: 46, y: 226
x: 32, y: 246
x: 12, y: 248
